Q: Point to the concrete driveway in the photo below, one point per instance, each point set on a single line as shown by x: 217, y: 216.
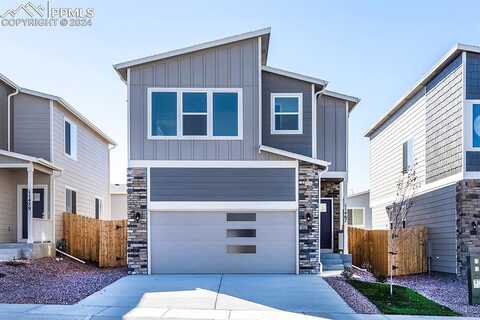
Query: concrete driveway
x: 218, y: 296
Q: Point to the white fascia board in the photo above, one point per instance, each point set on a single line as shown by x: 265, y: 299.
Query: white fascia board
x: 295, y: 75
x: 342, y: 96
x: 422, y: 82
x: 31, y: 159
x: 9, y: 82
x: 296, y: 156
x: 221, y: 205
x: 201, y: 46
x: 209, y: 164
x: 70, y: 108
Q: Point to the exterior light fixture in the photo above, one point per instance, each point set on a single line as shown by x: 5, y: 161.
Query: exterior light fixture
x: 137, y: 217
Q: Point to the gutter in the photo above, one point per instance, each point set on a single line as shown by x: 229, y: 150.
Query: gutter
x: 11, y: 95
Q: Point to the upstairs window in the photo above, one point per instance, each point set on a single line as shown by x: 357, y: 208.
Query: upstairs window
x: 286, y: 113
x: 70, y: 143
x: 408, y: 157
x: 190, y: 114
x: 476, y: 126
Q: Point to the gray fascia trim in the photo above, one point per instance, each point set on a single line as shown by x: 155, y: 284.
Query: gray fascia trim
x: 294, y: 75
x: 293, y: 155
x: 70, y: 108
x: 201, y: 46
x: 422, y: 82
x: 342, y: 96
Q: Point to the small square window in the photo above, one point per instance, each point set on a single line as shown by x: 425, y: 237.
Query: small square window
x: 286, y: 117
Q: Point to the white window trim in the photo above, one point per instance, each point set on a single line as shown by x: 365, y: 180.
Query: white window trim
x: 299, y: 96
x: 363, y: 213
x: 65, y: 202
x: 100, y: 214
x: 209, y: 92
x: 74, y: 140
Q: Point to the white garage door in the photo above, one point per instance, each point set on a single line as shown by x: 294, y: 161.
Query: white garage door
x: 216, y: 242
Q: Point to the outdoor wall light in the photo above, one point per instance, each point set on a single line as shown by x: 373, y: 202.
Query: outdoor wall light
x: 137, y: 217
x: 309, y: 217
x: 473, y: 231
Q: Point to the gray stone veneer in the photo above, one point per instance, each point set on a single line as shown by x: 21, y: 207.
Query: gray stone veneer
x: 137, y: 247
x: 308, y: 215
x: 468, y: 214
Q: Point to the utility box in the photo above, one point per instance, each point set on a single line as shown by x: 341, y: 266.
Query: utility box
x: 473, y: 279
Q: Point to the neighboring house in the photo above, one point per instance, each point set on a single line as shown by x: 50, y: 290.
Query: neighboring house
x: 359, y: 211
x: 434, y: 127
x: 118, y: 201
x: 52, y: 160
x: 225, y: 156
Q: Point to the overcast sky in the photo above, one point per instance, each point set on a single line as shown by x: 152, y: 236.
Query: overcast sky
x: 375, y: 50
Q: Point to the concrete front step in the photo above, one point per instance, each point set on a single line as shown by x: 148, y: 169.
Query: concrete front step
x: 10, y: 251
x: 330, y: 267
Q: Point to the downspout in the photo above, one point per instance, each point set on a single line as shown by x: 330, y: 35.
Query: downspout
x: 314, y: 114
x: 8, y: 115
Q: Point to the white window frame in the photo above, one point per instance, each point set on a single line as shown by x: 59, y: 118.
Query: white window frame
x: 299, y: 96
x: 100, y: 213
x: 408, y: 141
x: 65, y: 203
x: 180, y: 113
x: 73, y: 139
x: 363, y: 213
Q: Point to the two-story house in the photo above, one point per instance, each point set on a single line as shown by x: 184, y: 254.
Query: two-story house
x: 231, y: 162
x: 52, y: 160
x: 434, y: 128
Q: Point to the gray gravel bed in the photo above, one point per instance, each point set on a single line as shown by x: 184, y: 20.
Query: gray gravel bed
x: 48, y: 281
x: 358, y: 302
x: 442, y: 288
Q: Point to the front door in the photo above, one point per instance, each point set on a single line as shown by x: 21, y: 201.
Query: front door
x: 326, y: 225
x: 38, y: 208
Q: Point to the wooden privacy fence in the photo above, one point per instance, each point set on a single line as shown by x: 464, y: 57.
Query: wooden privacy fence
x: 372, y: 246
x: 104, y: 242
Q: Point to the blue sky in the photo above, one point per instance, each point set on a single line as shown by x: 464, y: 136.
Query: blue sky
x: 375, y: 50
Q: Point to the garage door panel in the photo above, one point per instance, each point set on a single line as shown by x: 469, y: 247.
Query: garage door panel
x: 196, y: 242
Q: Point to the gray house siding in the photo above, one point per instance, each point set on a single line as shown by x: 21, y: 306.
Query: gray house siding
x: 222, y: 184
x: 231, y: 66
x: 473, y: 76
x: 332, y: 132
x: 437, y: 211
x: 444, y: 114
x: 5, y: 90
x: 31, y: 126
x: 297, y: 143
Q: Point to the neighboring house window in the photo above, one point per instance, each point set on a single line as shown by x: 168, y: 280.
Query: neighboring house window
x: 476, y: 125
x: 286, y: 113
x: 70, y: 139
x: 408, y: 159
x: 98, y: 208
x: 70, y: 200
x: 195, y: 113
x: 358, y: 216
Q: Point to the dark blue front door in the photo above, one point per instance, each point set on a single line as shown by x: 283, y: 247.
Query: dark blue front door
x: 326, y: 231
x: 38, y: 208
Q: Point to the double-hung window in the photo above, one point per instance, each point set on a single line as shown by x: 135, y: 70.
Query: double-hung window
x: 286, y: 113
x: 70, y: 200
x: 357, y: 216
x: 195, y: 113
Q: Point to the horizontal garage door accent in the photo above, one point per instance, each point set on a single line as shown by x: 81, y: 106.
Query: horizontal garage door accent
x: 222, y: 184
x: 197, y: 242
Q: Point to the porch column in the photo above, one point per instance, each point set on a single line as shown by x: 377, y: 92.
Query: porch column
x: 30, y: 203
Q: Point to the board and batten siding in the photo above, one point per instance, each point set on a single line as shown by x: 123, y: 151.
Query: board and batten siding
x: 437, y: 211
x: 89, y: 175
x: 222, y: 184
x: 444, y: 124
x: 234, y: 65
x: 31, y: 126
x: 296, y: 143
x: 386, y: 147
x: 332, y: 115
x: 5, y: 90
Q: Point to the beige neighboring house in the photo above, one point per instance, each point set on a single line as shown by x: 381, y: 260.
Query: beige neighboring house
x: 52, y: 160
x: 118, y: 201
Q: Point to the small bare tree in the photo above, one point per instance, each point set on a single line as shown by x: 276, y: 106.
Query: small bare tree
x: 398, y: 213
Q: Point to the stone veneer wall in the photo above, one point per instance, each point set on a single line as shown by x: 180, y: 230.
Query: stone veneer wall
x: 137, y: 246
x: 308, y: 230
x: 331, y: 189
x: 468, y: 212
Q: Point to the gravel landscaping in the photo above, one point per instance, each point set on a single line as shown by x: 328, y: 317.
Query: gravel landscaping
x: 48, y: 281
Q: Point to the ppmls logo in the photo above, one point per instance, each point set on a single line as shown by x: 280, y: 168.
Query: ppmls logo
x: 45, y: 15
